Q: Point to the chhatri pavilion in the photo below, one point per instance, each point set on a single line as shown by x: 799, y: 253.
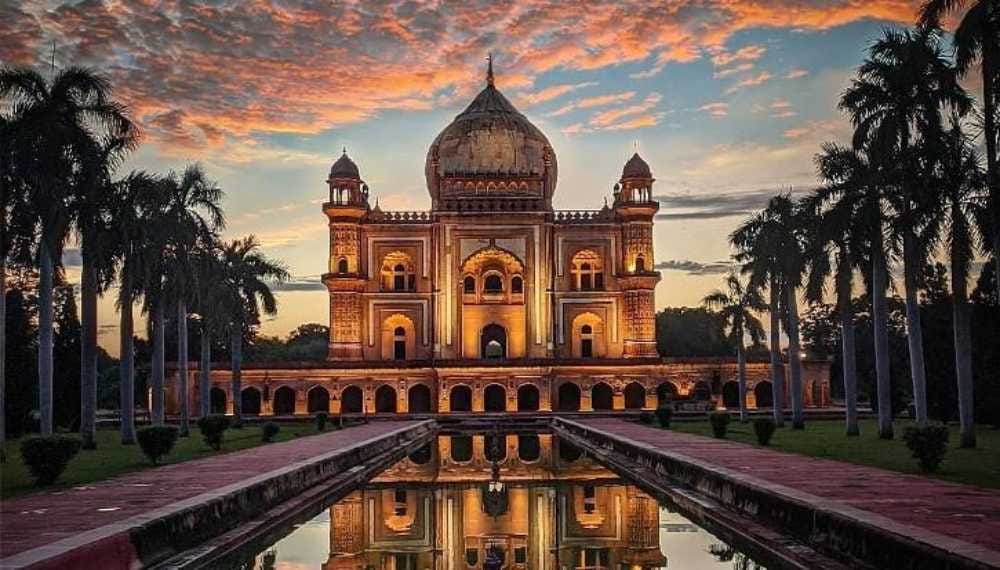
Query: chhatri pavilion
x: 492, y: 300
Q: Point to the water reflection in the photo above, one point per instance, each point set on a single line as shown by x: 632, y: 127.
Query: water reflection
x: 514, y: 502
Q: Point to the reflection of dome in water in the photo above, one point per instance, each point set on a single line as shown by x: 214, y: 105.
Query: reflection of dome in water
x: 491, y: 149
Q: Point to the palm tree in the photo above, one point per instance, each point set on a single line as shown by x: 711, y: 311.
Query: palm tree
x: 737, y: 305
x: 194, y: 214
x: 840, y: 227
x: 57, y: 121
x: 977, y: 38
x: 246, y: 276
x: 895, y: 102
x: 208, y: 273
x: 132, y: 196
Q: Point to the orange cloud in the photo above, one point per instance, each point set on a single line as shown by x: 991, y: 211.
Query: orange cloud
x: 596, y: 101
x: 751, y: 81
x: 717, y: 109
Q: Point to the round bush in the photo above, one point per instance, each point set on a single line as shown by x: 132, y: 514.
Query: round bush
x: 321, y: 418
x: 212, y: 428
x: 764, y: 429
x: 928, y: 445
x: 47, y: 456
x: 664, y: 414
x: 157, y: 441
x: 720, y: 423
x: 268, y: 431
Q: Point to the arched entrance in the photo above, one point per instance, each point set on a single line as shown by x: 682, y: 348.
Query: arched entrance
x: 527, y: 398
x: 385, y: 400
x: 763, y: 392
x: 493, y: 342
x: 529, y: 447
x: 318, y: 400
x: 731, y: 395
x: 418, y: 399
x: 461, y: 399
x: 601, y: 397
x: 635, y: 396
x: 283, y: 401
x: 352, y: 400
x: 665, y: 392
x: 461, y: 448
x: 250, y: 402
x: 495, y: 398
x: 569, y: 397
x: 702, y: 391
x: 217, y: 401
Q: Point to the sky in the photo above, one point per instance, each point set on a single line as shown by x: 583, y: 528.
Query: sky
x: 728, y: 101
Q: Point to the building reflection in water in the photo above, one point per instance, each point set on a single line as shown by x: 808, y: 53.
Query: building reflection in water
x: 562, y: 510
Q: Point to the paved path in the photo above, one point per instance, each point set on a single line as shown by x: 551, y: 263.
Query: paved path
x: 964, y: 512
x: 43, y: 518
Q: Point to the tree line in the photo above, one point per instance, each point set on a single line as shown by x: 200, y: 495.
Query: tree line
x: 911, y: 187
x: 155, y: 237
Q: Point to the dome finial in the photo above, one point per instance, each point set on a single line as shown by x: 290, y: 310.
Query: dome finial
x: 345, y: 150
x: 489, y: 69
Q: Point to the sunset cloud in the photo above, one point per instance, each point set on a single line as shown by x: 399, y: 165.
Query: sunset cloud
x: 717, y: 109
x: 751, y: 81
x: 591, y: 102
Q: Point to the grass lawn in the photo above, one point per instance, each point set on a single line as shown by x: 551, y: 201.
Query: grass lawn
x: 825, y: 438
x: 111, y: 458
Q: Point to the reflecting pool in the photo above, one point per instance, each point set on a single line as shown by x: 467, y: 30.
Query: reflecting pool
x: 495, y: 502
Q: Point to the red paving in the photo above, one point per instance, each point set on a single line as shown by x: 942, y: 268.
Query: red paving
x: 41, y: 519
x: 964, y: 512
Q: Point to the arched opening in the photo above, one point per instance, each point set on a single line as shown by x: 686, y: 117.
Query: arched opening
x: 352, y: 400
x: 640, y: 264
x: 529, y: 447
x: 385, y: 400
x: 493, y: 342
x: 399, y: 343
x: 763, y: 392
x: 702, y: 391
x: 586, y: 276
x: 250, y: 400
x: 493, y: 284
x: 517, y: 285
x: 569, y: 397
x: 217, y: 401
x: 731, y: 395
x: 469, y: 285
x: 342, y: 266
x: 665, y: 392
x: 422, y: 455
x: 587, y: 271
x: 461, y: 448
x: 601, y: 397
x: 419, y: 399
x: 495, y: 447
x: 399, y: 277
x: 569, y: 452
x: 495, y: 398
x: 398, y: 272
x: 283, y: 402
x: 461, y: 399
x: 586, y: 341
x: 635, y: 396
x: 527, y: 398
x: 318, y: 400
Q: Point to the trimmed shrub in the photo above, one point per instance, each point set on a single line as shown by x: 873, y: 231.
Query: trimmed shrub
x: 48, y: 456
x: 157, y: 441
x: 212, y: 428
x: 664, y: 414
x: 646, y: 418
x: 321, y: 418
x: 928, y: 445
x: 268, y: 431
x: 764, y: 429
x: 720, y: 423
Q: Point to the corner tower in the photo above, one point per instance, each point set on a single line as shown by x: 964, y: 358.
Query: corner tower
x: 347, y: 205
x: 635, y: 207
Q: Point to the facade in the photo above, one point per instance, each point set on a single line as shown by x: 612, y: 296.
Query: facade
x: 492, y: 300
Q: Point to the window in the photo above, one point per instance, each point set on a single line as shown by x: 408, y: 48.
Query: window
x: 586, y: 341
x: 640, y: 264
x: 586, y: 271
x: 399, y: 497
x: 493, y: 284
x: 469, y: 285
x: 399, y: 344
x: 594, y: 558
x: 342, y: 266
x: 517, y: 285
x: 494, y: 349
x: 399, y: 277
x: 586, y: 274
x: 589, y: 499
x: 520, y: 555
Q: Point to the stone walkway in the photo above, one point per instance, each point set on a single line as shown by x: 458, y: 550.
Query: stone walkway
x: 963, y: 512
x: 41, y: 519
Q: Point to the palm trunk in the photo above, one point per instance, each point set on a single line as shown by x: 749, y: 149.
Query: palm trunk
x: 45, y: 285
x: 205, y: 370
x: 795, y: 360
x: 741, y: 376
x: 126, y: 369
x: 236, y: 363
x: 914, y: 336
x: 963, y: 348
x: 88, y: 347
x: 182, y: 366
x: 880, y: 316
x: 989, y: 67
x: 3, y: 348
x: 777, y: 366
x: 847, y: 350
x: 158, y: 364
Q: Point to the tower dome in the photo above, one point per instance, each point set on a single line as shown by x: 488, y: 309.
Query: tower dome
x: 636, y: 167
x: 344, y: 167
x: 491, y: 150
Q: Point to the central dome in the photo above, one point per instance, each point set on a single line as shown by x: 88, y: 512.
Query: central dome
x: 491, y: 150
